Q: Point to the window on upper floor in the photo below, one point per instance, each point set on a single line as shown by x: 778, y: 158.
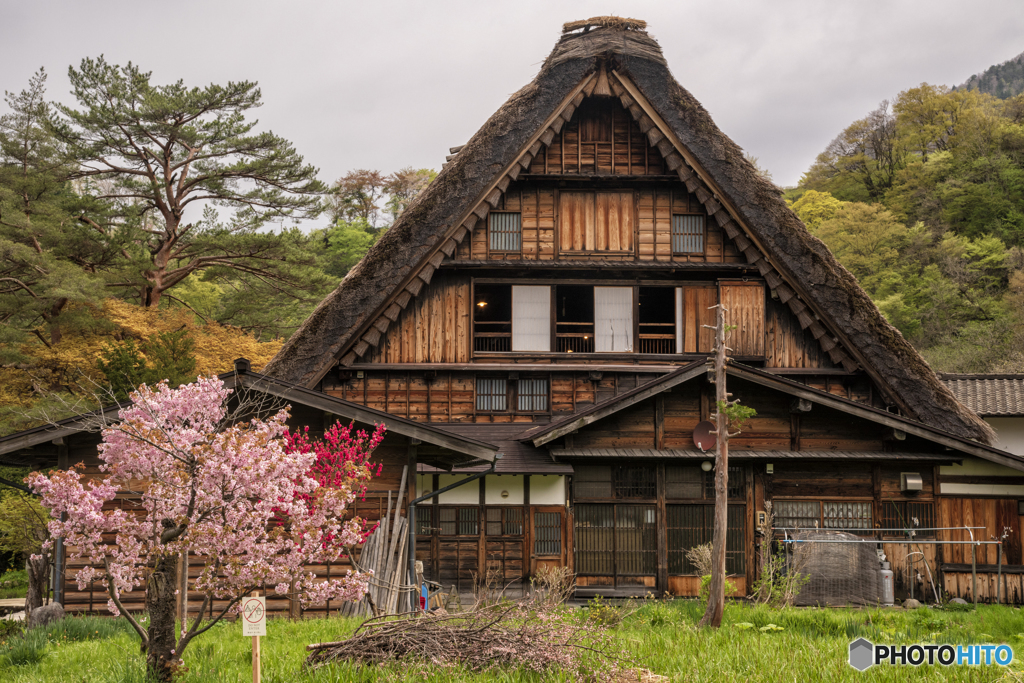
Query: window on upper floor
x: 506, y: 231
x: 596, y: 222
x: 521, y: 395
x: 688, y: 231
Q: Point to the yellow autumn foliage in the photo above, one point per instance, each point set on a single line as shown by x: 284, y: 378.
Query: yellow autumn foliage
x: 72, y: 363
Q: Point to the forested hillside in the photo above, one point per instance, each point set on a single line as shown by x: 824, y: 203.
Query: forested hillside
x: 923, y: 200
x: 1004, y: 80
x: 151, y: 232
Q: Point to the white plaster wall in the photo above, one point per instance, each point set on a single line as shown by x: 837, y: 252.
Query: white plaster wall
x: 494, y: 484
x: 1010, y: 431
x: 978, y: 468
x: 424, y: 485
x: 547, y: 489
x: 467, y: 494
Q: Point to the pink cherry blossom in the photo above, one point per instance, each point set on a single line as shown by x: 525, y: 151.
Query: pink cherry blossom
x: 258, y: 502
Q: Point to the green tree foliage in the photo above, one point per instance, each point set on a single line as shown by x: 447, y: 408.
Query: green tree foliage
x: 155, y: 153
x: 49, y: 264
x: 164, y: 356
x: 936, y: 238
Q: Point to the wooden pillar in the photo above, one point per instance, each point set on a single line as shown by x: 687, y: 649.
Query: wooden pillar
x: 659, y: 424
x: 661, y: 582
x: 749, y: 549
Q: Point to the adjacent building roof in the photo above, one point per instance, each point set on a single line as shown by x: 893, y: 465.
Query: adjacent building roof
x: 988, y: 395
x: 625, y: 62
x: 452, y: 449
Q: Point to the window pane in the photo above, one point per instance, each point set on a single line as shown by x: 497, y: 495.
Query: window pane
x: 513, y: 521
x: 493, y: 527
x: 594, y: 539
x: 424, y: 519
x: 688, y: 234
x: 908, y: 515
x: 533, y: 395
x: 593, y: 481
x: 468, y: 521
x: 531, y: 318
x: 446, y: 517
x: 613, y: 318
x: 636, y: 540
x: 636, y: 482
x: 684, y: 481
x: 547, y: 533
x: 491, y: 394
x: 844, y: 515
x: 506, y: 233
x: 797, y: 514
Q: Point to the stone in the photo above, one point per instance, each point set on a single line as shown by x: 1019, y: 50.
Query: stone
x: 862, y: 654
x: 911, y: 604
x: 47, y: 614
x: 959, y: 601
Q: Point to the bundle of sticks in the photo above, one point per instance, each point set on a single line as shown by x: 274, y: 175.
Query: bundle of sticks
x: 510, y: 635
x: 385, y: 552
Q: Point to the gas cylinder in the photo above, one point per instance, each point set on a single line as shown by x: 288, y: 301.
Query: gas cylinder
x: 888, y: 595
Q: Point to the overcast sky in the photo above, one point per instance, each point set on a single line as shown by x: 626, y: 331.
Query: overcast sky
x: 380, y: 84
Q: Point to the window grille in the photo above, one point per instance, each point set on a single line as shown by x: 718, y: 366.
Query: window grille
x: 691, y: 525
x: 593, y: 481
x: 504, y: 521
x: 910, y: 515
x: 506, y: 232
x: 619, y: 540
x: 684, y: 482
x: 458, y: 521
x: 424, y: 520
x: 687, y: 234
x: 547, y: 533
x: 636, y: 482
x: 491, y: 395
x: 533, y: 395
x: 815, y: 514
x: 735, y: 483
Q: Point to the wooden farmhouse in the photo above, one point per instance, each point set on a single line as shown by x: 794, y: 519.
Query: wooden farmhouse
x: 546, y: 299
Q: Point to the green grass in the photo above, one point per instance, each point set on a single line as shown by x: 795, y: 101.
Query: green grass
x: 804, y: 645
x: 13, y: 583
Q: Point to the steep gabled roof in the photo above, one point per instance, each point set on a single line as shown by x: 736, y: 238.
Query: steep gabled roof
x: 617, y: 57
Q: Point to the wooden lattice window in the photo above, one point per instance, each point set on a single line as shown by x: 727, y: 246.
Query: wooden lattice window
x: 689, y: 481
x: 689, y: 526
x: 506, y: 231
x: 547, y: 533
x: 854, y: 516
x: 687, y: 234
x: 424, y: 520
x: 909, y: 515
x: 504, y: 521
x: 636, y: 482
x: 619, y: 540
x: 532, y: 395
x: 491, y: 394
x: 459, y: 521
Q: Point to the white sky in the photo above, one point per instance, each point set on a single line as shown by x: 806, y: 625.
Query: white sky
x: 392, y: 84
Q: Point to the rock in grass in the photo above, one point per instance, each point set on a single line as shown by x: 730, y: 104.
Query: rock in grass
x: 958, y: 601
x: 41, y: 616
x: 911, y: 604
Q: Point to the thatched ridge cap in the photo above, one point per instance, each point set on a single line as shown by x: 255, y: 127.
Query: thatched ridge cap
x: 608, y: 21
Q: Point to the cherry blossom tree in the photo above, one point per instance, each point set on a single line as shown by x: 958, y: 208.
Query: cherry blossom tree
x: 257, y: 503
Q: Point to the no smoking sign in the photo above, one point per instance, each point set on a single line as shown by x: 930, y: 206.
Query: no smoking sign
x: 254, y: 616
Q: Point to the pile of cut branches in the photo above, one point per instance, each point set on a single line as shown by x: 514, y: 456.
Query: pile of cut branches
x: 505, y: 635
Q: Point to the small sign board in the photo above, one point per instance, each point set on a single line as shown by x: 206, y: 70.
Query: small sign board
x: 254, y: 616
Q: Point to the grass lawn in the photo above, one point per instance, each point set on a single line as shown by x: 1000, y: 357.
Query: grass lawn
x: 13, y: 583
x: 805, y: 645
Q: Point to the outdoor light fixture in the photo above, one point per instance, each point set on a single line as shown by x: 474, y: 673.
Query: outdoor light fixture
x: 481, y: 304
x: 504, y: 494
x: 706, y: 465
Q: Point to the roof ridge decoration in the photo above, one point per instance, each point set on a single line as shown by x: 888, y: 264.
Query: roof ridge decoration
x: 797, y: 267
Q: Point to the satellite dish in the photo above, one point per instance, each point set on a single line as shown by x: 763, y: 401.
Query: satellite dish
x: 702, y: 436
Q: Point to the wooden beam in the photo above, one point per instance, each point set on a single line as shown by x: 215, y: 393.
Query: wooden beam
x: 616, y: 404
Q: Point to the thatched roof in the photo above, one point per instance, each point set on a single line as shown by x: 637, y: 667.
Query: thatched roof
x: 796, y: 265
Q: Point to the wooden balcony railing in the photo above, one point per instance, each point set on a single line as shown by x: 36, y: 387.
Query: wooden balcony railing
x: 574, y: 337
x: 491, y: 337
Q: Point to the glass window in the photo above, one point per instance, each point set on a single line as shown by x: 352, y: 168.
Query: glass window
x: 491, y: 394
x: 532, y: 395
x: 687, y: 234
x: 506, y: 231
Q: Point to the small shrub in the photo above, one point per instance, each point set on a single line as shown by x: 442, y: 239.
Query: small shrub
x: 552, y: 586
x: 603, y: 613
x: 705, y: 588
x: 22, y: 651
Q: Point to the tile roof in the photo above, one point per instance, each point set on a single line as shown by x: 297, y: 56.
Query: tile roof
x: 988, y: 395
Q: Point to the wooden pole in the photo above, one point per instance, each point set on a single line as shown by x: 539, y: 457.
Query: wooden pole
x: 716, y: 598
x: 256, y: 651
